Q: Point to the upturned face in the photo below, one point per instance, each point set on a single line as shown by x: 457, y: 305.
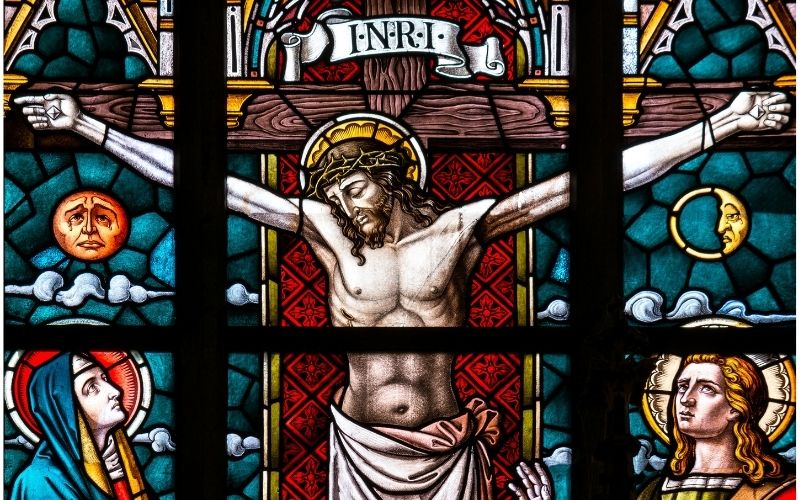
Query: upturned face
x: 90, y: 226
x: 363, y: 201
x: 701, y: 409
x: 98, y: 398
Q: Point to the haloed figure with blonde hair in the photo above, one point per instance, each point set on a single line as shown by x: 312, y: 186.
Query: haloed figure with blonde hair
x: 719, y: 448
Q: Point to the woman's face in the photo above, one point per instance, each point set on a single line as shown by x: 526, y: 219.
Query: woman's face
x: 701, y: 408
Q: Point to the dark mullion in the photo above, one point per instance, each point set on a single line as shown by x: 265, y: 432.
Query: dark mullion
x: 600, y: 459
x: 199, y: 195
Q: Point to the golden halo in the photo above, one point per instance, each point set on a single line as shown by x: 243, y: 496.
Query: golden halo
x: 778, y: 371
x: 727, y: 202
x: 364, y: 126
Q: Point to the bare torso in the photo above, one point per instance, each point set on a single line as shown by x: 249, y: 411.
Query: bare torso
x: 419, y: 277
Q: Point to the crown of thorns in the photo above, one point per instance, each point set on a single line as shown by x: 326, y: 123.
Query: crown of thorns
x: 337, y: 168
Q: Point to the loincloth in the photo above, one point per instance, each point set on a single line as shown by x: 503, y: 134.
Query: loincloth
x: 444, y: 460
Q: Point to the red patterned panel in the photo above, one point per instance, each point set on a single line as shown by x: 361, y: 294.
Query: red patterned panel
x: 309, y: 381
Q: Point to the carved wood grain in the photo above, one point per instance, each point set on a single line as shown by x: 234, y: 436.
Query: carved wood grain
x: 388, y: 74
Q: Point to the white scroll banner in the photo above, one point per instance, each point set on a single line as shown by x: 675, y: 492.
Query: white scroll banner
x: 378, y: 36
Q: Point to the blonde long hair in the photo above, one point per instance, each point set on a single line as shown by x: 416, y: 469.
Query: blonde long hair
x: 746, y: 393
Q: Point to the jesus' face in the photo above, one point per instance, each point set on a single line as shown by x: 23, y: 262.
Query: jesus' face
x: 365, y: 203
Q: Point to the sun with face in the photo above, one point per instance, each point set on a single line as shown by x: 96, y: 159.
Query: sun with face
x: 90, y: 225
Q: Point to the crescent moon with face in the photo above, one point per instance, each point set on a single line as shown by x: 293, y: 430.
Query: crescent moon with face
x: 733, y: 225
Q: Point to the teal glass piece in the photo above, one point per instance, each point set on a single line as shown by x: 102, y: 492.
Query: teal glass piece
x: 48, y: 258
x: 146, y: 230
x: 549, y: 164
x: 165, y: 199
x: 242, y: 470
x: 23, y: 169
x: 649, y: 229
x: 18, y: 307
x: 11, y: 195
x: 671, y: 187
x: 246, y: 166
x: 783, y: 277
x: 28, y: 64
x: 18, y: 215
x: 127, y: 317
x: 52, y: 40
x: 160, y: 312
x: 763, y: 300
x: 635, y: 269
x: 66, y: 67
x: 72, y: 12
x: 45, y: 314
x: 757, y: 270
x: 135, y: 68
x: 80, y: 45
x: 749, y: 63
x: 727, y: 170
x: 129, y: 262
x: 767, y: 162
x: 134, y: 191
x: 245, y: 269
x: 710, y: 67
x: 698, y: 223
x: 690, y: 45
x: 98, y: 310
x: 776, y: 64
x: 634, y: 202
x: 694, y: 164
x: 13, y: 263
x: 242, y: 235
x: 108, y: 40
x: 96, y: 169
x: 668, y: 269
x: 561, y: 268
x: 772, y: 234
x: 769, y: 194
x: 735, y: 39
x: 708, y: 15
x: 711, y: 276
x: 665, y: 66
x: 55, y: 162
x: 162, y: 259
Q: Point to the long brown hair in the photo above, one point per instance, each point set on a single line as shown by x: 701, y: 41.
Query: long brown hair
x: 386, y: 167
x: 746, y: 393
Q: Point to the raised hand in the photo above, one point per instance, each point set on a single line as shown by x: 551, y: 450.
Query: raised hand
x: 50, y: 111
x: 536, y: 483
x: 758, y: 111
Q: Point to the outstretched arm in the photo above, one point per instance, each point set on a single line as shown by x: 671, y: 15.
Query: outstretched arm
x: 62, y: 112
x: 643, y: 163
x: 748, y: 112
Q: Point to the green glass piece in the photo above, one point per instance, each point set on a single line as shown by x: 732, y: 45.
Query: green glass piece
x: 15, y: 267
x: 246, y: 270
x: 108, y: 68
x: 250, y: 363
x: 23, y: 168
x: 727, y: 170
x: 245, y: 165
x: 733, y: 40
x: 747, y: 270
x: 96, y: 170
x: 546, y: 253
x: 18, y: 216
x: 136, y: 193
x: 665, y: 67
x: 698, y: 223
x: 711, y: 67
x: 160, y: 474
x: 790, y: 174
x: 711, y: 277
x: 97, y: 11
x: 773, y: 234
x: 750, y: 63
x: 672, y: 187
x: 633, y: 203
x: 128, y: 318
x: 146, y: 231
x: 129, y: 262
x: 242, y: 235
x: 109, y: 41
x: 762, y: 301
x: 98, y: 310
x: 65, y: 67
x: 162, y: 259
x: 11, y: 195
x: 689, y: 45
x: 28, y: 64
x: 81, y: 45
x: 18, y: 307
x: 162, y: 369
x: 635, y: 268
x: 708, y: 15
x: 766, y: 162
x: 242, y: 469
x: 52, y: 40
x: 783, y: 279
x: 136, y: 68
x: 71, y: 12
x: 548, y: 164
x: 253, y: 489
x: 158, y: 311
x: 769, y: 194
x: 668, y: 270
x: 164, y: 199
x: 238, y: 384
x: 777, y: 65
x: 55, y: 162
x: 694, y: 164
x: 650, y: 228
x: 48, y: 313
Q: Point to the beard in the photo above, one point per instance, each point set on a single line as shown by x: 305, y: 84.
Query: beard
x: 377, y: 219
